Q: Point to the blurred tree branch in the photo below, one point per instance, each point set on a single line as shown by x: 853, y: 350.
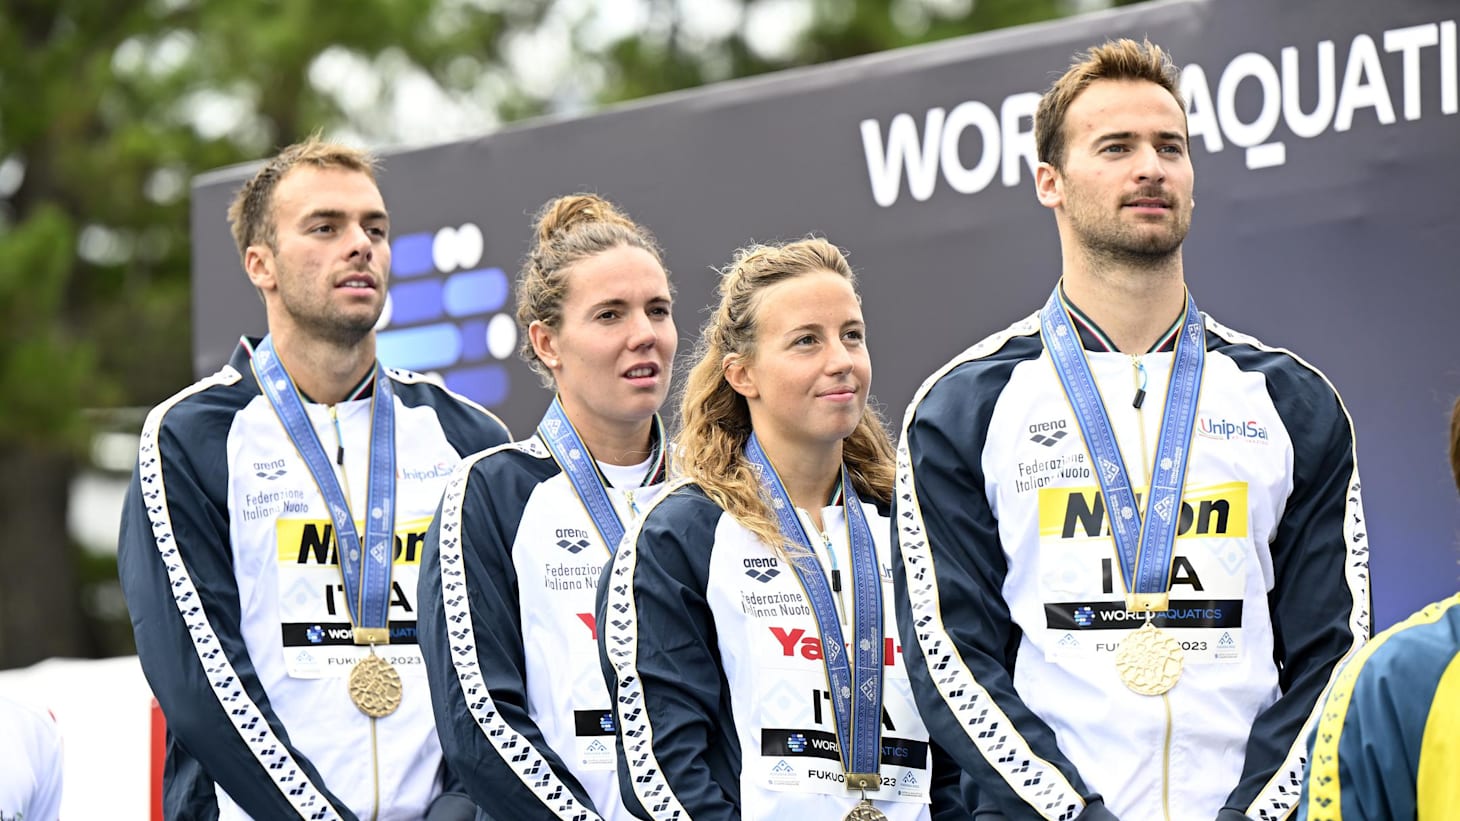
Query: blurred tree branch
x: 108, y: 108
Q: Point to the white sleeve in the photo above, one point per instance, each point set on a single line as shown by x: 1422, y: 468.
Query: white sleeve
x: 30, y: 763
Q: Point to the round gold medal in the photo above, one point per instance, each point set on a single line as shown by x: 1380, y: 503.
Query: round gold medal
x: 864, y: 811
x: 375, y: 686
x: 1149, y: 661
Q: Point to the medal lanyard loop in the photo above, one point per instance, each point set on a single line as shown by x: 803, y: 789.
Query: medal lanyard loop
x: 365, y: 568
x: 856, y: 684
x: 1144, y: 544
x: 573, y: 457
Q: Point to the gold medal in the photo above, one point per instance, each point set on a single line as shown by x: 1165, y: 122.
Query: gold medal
x: 375, y: 686
x: 864, y: 811
x: 1149, y: 661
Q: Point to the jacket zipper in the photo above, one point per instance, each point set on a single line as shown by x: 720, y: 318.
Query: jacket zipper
x: 1139, y: 399
x: 345, y: 484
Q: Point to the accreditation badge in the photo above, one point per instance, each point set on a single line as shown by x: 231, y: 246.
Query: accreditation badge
x: 318, y: 637
x: 796, y: 749
x: 593, y: 733
x: 1085, y: 615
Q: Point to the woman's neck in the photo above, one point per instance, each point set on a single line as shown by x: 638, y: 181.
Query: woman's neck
x: 612, y: 441
x: 809, y: 473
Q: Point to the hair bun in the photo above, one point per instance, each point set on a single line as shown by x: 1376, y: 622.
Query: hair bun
x: 563, y: 213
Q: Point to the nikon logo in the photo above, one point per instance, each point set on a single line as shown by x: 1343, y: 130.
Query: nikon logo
x: 302, y: 541
x: 1214, y: 511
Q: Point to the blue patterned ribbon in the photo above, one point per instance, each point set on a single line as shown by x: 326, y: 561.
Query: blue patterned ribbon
x: 856, y: 691
x: 1144, y: 544
x: 576, y: 461
x: 366, y: 572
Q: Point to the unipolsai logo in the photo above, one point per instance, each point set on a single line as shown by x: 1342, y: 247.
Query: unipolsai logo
x: 1247, y: 430
x: 440, y: 470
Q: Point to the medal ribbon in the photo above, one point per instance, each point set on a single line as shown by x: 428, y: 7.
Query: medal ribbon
x: 366, y: 572
x: 856, y: 694
x: 572, y: 456
x: 1144, y: 544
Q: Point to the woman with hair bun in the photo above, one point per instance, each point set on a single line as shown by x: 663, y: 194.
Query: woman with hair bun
x: 749, y: 636
x: 515, y: 553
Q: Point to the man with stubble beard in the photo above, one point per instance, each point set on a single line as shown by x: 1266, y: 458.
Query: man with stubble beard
x: 272, y: 532
x: 1131, y: 539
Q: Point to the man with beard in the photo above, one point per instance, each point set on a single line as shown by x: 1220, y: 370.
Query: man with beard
x: 272, y: 531
x: 1131, y: 539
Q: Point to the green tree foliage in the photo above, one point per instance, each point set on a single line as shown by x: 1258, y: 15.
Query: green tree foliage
x: 108, y: 108
x: 670, y: 55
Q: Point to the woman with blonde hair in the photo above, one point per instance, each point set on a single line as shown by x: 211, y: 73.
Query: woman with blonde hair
x: 748, y: 634
x: 514, y: 555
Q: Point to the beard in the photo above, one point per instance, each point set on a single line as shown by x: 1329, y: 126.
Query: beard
x: 325, y: 320
x: 345, y: 330
x: 1108, y: 238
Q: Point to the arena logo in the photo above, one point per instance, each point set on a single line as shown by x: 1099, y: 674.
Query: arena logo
x: 1303, y: 91
x: 1048, y: 433
x: 574, y: 546
x: 270, y: 470
x: 762, y: 570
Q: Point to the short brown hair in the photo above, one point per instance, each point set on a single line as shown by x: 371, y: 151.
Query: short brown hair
x: 249, y: 215
x: 1112, y: 60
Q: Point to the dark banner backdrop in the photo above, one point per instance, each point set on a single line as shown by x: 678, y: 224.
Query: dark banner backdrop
x: 1325, y: 140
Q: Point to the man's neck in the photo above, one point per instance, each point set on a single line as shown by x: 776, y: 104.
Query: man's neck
x: 1133, y: 307
x: 325, y: 371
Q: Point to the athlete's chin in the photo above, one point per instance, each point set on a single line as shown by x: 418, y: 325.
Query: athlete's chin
x: 640, y: 403
x: 350, y: 330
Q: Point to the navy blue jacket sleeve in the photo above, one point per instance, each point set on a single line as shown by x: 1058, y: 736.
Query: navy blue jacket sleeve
x: 947, y: 802
x: 469, y: 427
x: 678, y: 753
x: 1320, y: 598
x: 175, y: 565
x: 471, y: 640
x: 948, y: 573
